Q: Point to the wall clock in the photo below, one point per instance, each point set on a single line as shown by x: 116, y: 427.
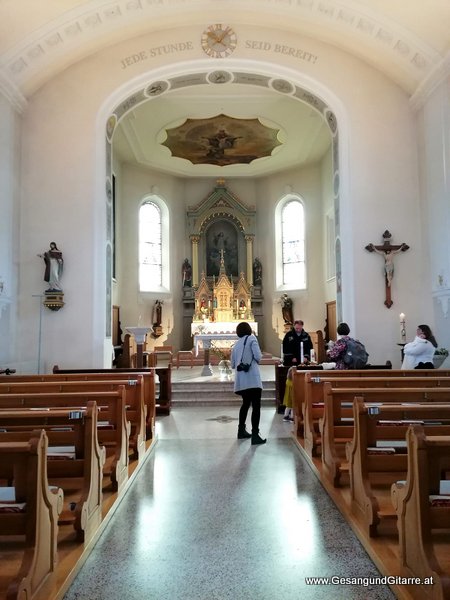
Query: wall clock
x: 218, y: 41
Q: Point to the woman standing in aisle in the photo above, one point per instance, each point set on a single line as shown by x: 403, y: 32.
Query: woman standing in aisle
x: 245, y: 358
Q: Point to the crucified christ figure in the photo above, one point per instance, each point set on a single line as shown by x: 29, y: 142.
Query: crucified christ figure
x: 388, y: 251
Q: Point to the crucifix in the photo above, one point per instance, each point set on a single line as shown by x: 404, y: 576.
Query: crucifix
x: 387, y: 250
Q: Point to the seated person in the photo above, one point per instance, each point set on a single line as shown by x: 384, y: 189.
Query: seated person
x: 294, y: 342
x: 419, y: 353
x: 354, y: 357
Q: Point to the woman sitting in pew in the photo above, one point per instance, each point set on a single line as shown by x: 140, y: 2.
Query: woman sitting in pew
x: 419, y: 353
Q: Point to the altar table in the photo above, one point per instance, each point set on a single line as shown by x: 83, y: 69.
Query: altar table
x: 205, y: 339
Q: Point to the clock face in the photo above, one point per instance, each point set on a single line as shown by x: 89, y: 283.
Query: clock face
x: 218, y: 41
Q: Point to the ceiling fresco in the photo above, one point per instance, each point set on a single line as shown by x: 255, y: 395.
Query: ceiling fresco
x: 222, y: 140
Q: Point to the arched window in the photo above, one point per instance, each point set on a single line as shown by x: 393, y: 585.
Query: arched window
x: 293, y: 269
x: 150, y: 247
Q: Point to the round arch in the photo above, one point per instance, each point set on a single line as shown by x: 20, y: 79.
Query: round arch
x: 280, y: 80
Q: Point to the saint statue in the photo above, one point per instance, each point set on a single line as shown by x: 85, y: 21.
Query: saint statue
x: 186, y: 271
x: 157, y: 313
x: 286, y: 309
x: 257, y: 272
x: 53, y: 267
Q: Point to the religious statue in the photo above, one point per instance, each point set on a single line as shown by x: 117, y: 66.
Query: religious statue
x: 157, y: 313
x: 286, y: 308
x: 53, y: 267
x: 388, y: 256
x: 387, y: 251
x: 186, y: 271
x: 257, y: 272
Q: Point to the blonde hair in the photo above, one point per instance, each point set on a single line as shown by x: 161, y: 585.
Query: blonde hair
x: 291, y: 372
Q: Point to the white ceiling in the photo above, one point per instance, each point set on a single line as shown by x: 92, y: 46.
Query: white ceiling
x: 304, y: 134
x: 409, y: 40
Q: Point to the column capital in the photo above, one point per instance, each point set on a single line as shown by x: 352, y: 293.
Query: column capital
x: 249, y: 238
x: 194, y: 239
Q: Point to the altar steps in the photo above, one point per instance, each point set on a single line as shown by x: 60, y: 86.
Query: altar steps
x: 206, y: 393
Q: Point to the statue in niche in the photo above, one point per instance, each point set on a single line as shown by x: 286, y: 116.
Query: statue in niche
x: 257, y: 272
x: 186, y: 271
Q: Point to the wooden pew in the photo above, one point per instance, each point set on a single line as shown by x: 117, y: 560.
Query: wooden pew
x: 163, y: 402
x: 420, y: 517
x: 312, y: 395
x: 134, y: 401
x: 336, y: 425
x: 78, y: 468
x: 38, y: 519
x: 373, y: 469
x: 113, y: 435
x: 301, y: 374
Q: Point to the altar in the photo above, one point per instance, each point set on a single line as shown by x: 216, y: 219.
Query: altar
x: 217, y: 328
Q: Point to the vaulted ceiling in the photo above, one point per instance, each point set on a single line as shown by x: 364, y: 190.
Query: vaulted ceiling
x: 408, y: 40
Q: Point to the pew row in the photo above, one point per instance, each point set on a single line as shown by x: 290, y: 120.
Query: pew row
x: 422, y: 513
x: 312, y: 396
x: 148, y: 383
x: 336, y: 425
x: 134, y: 400
x: 377, y: 455
x: 74, y: 459
x: 113, y: 430
x: 163, y: 402
x: 32, y: 514
x: 336, y: 375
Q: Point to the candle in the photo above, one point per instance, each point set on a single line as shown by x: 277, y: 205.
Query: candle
x: 402, y: 327
x: 302, y: 357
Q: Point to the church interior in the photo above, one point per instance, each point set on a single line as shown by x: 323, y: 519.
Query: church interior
x: 169, y: 169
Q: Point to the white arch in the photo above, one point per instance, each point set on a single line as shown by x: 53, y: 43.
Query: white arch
x: 269, y: 69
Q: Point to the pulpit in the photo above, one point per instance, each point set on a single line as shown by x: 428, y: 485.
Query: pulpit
x: 139, y: 334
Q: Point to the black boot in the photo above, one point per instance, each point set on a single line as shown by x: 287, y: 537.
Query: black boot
x: 256, y: 439
x: 243, y: 434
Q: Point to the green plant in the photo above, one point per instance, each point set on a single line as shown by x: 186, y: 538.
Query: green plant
x: 441, y: 352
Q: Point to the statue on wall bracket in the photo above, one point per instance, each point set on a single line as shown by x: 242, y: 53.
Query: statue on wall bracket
x: 54, y: 263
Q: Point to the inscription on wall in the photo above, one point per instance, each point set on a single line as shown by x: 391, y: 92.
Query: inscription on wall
x: 258, y: 45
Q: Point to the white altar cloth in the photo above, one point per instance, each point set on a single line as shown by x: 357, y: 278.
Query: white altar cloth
x: 216, y: 327
x: 206, y: 339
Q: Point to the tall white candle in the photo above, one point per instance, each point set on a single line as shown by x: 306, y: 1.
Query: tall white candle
x: 302, y: 357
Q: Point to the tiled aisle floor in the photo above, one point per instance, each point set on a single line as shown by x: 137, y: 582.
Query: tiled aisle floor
x: 213, y: 518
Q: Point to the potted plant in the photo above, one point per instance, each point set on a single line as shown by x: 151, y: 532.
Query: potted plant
x: 440, y: 354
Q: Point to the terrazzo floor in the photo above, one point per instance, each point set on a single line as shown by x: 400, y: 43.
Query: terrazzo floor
x: 213, y: 518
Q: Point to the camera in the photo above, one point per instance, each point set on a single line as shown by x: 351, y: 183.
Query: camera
x: 243, y: 367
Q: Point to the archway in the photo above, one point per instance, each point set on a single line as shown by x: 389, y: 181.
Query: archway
x: 288, y: 85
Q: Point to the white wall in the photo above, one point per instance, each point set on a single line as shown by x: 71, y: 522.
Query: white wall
x: 9, y: 229
x: 62, y: 182
x: 434, y: 145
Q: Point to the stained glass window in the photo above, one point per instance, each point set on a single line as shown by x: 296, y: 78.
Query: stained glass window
x: 293, y: 244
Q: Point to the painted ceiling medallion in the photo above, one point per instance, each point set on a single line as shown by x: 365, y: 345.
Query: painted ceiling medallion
x: 222, y: 140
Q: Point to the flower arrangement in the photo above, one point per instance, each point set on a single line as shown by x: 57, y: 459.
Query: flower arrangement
x: 441, y: 352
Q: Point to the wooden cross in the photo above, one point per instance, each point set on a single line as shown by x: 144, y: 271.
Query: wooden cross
x: 387, y: 250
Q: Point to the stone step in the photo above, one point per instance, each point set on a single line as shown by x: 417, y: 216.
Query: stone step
x: 212, y: 392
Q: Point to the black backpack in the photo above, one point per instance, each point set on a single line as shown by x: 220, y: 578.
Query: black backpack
x: 355, y: 356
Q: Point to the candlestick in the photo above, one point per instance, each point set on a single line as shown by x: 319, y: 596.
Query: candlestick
x: 402, y: 327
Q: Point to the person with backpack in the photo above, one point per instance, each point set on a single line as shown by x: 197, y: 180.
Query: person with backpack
x: 347, y: 352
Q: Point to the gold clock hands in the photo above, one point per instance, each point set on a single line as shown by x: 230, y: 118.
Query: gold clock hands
x: 224, y: 34
x: 214, y: 37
